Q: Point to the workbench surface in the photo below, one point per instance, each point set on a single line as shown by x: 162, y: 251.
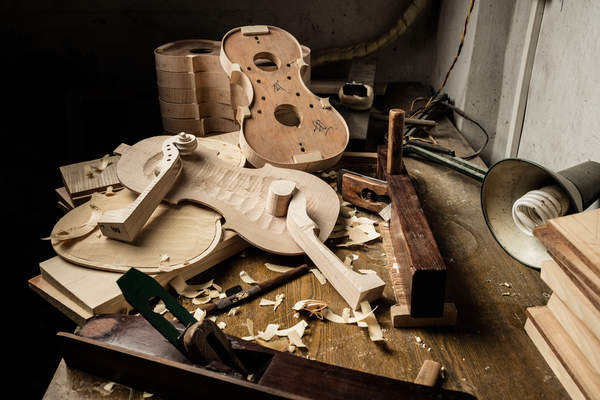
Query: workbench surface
x: 487, y: 353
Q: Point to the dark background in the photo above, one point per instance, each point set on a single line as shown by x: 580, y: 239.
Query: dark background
x: 79, y: 79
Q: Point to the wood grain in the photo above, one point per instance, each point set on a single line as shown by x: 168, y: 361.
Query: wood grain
x: 282, y: 122
x: 78, y: 183
x: 239, y: 194
x: 191, y: 55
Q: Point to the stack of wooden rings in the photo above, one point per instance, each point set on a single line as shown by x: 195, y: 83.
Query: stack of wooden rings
x: 193, y: 89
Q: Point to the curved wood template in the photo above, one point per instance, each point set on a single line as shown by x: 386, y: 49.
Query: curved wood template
x: 185, y: 233
x: 238, y: 194
x: 193, y: 55
x: 282, y: 122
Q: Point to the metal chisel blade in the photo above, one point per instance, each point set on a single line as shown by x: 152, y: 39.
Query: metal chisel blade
x: 139, y: 289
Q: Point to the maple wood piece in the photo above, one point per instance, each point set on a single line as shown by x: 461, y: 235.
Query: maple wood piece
x: 239, y: 194
x: 352, y: 286
x: 192, y: 55
x: 125, y: 224
x: 429, y: 373
x: 570, y: 365
x: 82, y: 179
x: 282, y: 123
x: 113, y: 349
x: 279, y: 196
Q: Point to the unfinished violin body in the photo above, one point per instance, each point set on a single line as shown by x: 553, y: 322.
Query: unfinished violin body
x: 282, y: 122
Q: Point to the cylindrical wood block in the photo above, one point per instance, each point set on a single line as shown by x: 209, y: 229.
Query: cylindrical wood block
x: 279, y: 196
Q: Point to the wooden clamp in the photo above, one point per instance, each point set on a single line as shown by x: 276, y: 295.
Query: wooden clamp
x: 125, y: 223
x: 417, y: 270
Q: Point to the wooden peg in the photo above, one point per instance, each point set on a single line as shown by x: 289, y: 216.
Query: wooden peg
x: 352, y: 286
x: 395, y: 137
x: 429, y: 373
x: 125, y: 224
x: 279, y: 196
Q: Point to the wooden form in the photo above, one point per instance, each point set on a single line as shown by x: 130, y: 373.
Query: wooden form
x: 238, y: 194
x: 418, y: 271
x: 282, y: 122
x: 194, y: 91
x: 110, y: 347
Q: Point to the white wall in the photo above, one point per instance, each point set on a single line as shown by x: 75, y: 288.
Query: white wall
x: 562, y: 120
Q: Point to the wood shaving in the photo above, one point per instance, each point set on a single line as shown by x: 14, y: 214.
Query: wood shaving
x: 347, y: 212
x: 88, y: 171
x: 214, y: 294
x: 109, y: 191
x: 359, y: 230
x: 233, y: 311
x: 222, y: 295
x: 346, y: 315
x: 217, y: 287
x: 329, y: 174
x: 314, y: 307
x: 164, y: 258
x: 78, y: 231
x: 201, y: 300
x: 386, y: 212
x: 199, y: 314
x: 266, y: 302
x: 320, y: 277
x: 147, y: 395
x: 222, y: 325
x: 104, y: 162
x: 247, y: 278
x: 250, y: 325
x: 506, y: 284
x: 278, y: 268
x: 375, y: 332
x: 160, y: 308
x: 295, y: 339
x: 367, y: 271
x: 269, y: 332
x: 298, y: 328
x: 182, y: 288
x: 505, y: 293
x: 109, y: 387
x: 357, y: 319
x: 213, y: 318
x: 291, y: 348
x: 296, y: 315
x: 279, y: 345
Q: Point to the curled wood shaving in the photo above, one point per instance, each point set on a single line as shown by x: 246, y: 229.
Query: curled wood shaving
x: 279, y: 345
x: 233, y: 311
x: 164, y: 258
x: 295, y: 339
x: 199, y: 314
x: 277, y: 268
x: 320, y: 277
x: 201, y: 300
x: 182, y: 288
x: 109, y: 387
x: 275, y: 303
x: 298, y: 328
x: 222, y: 325
x: 357, y: 319
x: 109, y: 191
x: 104, y: 162
x: 247, y: 278
x: 375, y: 332
x: 314, y: 307
x: 160, y: 308
x: 147, y: 395
x: 359, y: 230
x: 202, y: 286
x: 78, y: 231
x: 269, y: 332
x: 328, y: 174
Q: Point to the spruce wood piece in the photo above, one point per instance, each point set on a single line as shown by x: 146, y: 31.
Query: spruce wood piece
x: 282, y: 122
x: 238, y: 194
x: 125, y: 224
x: 352, y: 286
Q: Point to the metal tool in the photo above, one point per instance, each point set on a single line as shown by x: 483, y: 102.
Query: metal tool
x: 202, y: 342
x: 456, y: 163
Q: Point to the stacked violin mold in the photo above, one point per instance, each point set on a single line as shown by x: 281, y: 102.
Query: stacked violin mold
x: 193, y: 90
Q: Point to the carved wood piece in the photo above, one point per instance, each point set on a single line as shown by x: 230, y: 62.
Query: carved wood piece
x: 280, y: 194
x: 239, y: 194
x: 395, y: 137
x: 282, y: 122
x: 352, y: 286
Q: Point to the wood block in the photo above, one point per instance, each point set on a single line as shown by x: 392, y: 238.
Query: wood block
x: 64, y: 197
x: 192, y: 80
x: 573, y: 242
x: 195, y: 95
x: 78, y: 183
x: 584, y: 339
x: 192, y: 55
x: 571, y: 295
x: 571, y: 367
x: 59, y: 300
x: 400, y: 313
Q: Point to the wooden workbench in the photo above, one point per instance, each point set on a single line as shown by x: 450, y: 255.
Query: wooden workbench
x: 487, y: 353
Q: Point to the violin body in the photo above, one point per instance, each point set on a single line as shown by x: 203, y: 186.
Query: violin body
x: 281, y: 121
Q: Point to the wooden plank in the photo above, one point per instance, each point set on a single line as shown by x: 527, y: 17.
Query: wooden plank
x: 59, y: 300
x: 575, y: 364
x: 571, y: 295
x: 584, y: 339
x: 64, y: 197
x: 79, y: 183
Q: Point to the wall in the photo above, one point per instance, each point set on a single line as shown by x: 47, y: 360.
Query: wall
x: 562, y: 122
